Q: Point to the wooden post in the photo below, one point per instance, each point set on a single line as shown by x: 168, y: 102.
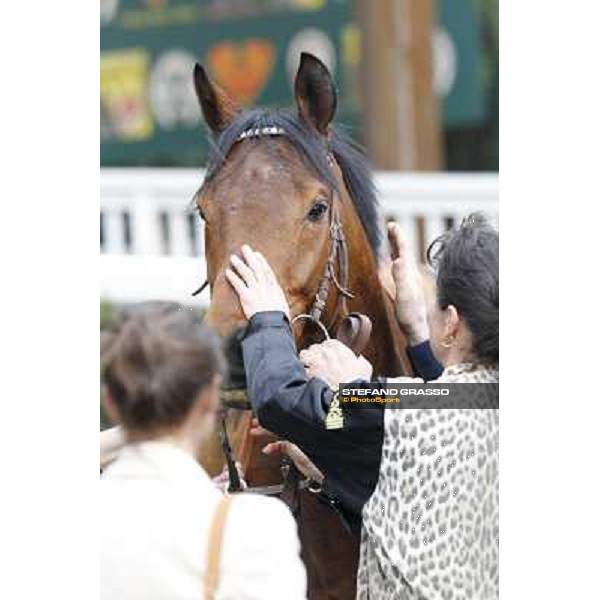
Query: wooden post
x: 401, y: 110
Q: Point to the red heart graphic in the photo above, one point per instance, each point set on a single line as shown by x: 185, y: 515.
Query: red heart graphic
x: 242, y: 70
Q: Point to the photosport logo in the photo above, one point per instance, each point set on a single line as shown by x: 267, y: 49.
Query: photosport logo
x: 419, y: 395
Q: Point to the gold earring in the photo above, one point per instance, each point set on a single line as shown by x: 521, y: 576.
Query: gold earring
x: 448, y: 343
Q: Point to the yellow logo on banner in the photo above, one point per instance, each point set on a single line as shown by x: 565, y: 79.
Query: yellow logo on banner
x: 124, y: 112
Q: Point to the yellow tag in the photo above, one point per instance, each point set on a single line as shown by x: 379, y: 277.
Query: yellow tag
x: 335, y: 417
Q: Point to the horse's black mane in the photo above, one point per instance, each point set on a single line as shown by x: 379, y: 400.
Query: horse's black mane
x: 355, y: 170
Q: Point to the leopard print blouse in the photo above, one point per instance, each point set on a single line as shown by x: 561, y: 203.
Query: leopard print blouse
x: 430, y: 529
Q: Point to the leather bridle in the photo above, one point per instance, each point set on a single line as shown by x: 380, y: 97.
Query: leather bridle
x: 337, y: 262
x: 337, y: 258
x: 336, y: 275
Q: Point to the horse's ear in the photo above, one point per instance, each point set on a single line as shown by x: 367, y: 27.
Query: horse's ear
x: 217, y: 107
x: 315, y: 93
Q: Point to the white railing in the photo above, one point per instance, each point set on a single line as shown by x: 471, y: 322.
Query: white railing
x: 151, y: 238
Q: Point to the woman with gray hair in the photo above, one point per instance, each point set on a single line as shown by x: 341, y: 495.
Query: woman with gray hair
x: 424, y: 480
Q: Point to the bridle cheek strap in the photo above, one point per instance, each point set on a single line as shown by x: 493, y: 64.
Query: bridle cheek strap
x: 337, y: 261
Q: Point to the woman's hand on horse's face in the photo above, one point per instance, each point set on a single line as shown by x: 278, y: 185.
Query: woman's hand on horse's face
x: 335, y: 363
x: 255, y: 284
x: 411, y: 308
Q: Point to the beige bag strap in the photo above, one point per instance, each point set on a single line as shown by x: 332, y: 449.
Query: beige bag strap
x: 215, y: 541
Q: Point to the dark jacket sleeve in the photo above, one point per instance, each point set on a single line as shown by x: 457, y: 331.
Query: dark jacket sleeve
x: 424, y: 363
x: 281, y: 394
x: 293, y: 406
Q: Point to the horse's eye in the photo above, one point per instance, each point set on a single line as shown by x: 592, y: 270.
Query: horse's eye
x: 318, y: 210
x: 201, y: 214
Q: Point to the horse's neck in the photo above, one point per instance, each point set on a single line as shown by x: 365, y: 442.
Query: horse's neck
x: 387, y: 347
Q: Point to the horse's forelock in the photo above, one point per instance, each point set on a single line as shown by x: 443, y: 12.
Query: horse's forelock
x: 355, y: 170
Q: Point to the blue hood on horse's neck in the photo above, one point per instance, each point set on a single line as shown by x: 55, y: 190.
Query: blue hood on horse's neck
x: 354, y: 167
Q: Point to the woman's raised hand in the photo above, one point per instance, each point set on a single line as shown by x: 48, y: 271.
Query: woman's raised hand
x: 411, y: 310
x: 255, y: 284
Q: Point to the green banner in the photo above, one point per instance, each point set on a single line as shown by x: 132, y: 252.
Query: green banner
x: 149, y: 114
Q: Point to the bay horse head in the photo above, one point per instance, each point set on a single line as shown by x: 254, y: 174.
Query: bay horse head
x: 293, y: 186
x: 279, y: 180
